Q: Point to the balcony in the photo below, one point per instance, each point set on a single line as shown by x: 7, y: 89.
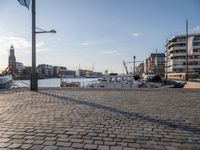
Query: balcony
x: 173, y: 43
x: 177, y: 54
x: 196, y: 46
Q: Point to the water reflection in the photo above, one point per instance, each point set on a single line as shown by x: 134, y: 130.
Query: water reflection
x: 54, y: 82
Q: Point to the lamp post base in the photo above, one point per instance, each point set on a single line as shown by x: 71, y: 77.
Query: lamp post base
x: 34, y: 82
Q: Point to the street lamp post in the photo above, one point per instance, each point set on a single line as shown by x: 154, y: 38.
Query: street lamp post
x: 186, y: 75
x: 134, y: 57
x: 34, y: 74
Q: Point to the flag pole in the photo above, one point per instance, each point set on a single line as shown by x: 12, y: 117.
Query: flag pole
x: 34, y: 75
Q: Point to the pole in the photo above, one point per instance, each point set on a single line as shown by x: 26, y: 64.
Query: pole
x: 156, y: 62
x: 134, y: 64
x: 34, y: 83
x: 186, y: 75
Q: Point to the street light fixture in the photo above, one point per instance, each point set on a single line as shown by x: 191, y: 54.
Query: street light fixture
x: 44, y: 31
x: 34, y: 74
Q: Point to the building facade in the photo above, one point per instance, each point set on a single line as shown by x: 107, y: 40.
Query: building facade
x: 62, y: 71
x: 12, y: 61
x: 45, y: 70
x: 155, y: 63
x: 25, y: 73
x: 70, y: 73
x: 175, y: 56
x: 140, y: 69
x: 59, y: 70
x: 19, y: 68
x: 88, y: 74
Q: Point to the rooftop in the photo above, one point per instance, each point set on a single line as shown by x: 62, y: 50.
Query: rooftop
x: 183, y: 35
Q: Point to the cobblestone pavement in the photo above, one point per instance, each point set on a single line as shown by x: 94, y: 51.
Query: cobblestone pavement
x: 62, y: 119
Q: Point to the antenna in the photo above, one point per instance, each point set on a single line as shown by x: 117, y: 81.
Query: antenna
x: 93, y: 66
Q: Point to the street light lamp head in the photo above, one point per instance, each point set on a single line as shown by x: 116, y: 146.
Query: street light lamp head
x: 53, y: 31
x: 39, y: 30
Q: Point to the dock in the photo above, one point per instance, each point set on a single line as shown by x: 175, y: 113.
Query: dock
x: 106, y: 119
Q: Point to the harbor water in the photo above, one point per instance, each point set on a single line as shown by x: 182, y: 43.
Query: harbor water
x: 54, y: 82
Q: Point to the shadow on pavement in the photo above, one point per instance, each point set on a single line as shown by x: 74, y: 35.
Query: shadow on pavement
x: 133, y: 115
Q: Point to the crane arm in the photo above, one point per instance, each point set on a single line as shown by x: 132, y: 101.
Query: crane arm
x: 6, y: 71
x: 124, y: 63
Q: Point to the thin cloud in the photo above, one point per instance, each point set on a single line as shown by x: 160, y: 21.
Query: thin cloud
x: 90, y: 43
x: 94, y: 42
x: 109, y: 52
x: 86, y: 43
x: 195, y: 29
x: 19, y: 43
x: 136, y: 34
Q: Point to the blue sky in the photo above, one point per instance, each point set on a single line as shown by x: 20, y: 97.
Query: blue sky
x: 103, y: 32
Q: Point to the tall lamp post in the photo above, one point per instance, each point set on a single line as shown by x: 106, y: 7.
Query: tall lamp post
x: 134, y: 57
x: 34, y: 74
x: 186, y: 75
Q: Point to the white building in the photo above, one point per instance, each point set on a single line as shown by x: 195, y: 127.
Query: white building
x: 175, y: 56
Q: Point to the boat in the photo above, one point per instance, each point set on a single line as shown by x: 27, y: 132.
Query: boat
x: 174, y: 84
x: 129, y: 81
x: 5, y: 81
x: 68, y: 84
x: 115, y: 80
x: 158, y: 82
x: 148, y: 76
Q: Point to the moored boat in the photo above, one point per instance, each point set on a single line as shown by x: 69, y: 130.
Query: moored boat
x: 114, y: 80
x: 5, y: 81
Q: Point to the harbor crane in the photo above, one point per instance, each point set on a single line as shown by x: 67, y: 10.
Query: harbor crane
x: 124, y: 63
x: 131, y: 62
x: 6, y: 71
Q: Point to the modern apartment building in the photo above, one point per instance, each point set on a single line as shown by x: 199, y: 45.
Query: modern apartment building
x: 140, y: 69
x: 175, y: 56
x: 63, y: 71
x: 88, y: 74
x: 59, y: 70
x: 45, y: 70
x: 155, y: 63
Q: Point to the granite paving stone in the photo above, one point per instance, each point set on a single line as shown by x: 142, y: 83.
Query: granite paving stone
x: 107, y: 119
x: 90, y: 146
x: 26, y: 146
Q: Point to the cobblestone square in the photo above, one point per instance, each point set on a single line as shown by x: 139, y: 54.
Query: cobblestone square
x: 69, y: 119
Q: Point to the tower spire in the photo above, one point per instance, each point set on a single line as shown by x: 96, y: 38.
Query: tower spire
x: 12, y: 60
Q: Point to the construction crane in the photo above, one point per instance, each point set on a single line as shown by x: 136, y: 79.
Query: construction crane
x: 6, y: 71
x: 131, y: 62
x: 124, y: 63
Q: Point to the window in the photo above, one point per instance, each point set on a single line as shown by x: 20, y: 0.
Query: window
x: 112, y: 79
x: 129, y: 79
x: 196, y: 38
x: 181, y: 39
x: 179, y: 45
x: 119, y: 79
x: 180, y: 51
x: 196, y: 50
x: 196, y: 43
